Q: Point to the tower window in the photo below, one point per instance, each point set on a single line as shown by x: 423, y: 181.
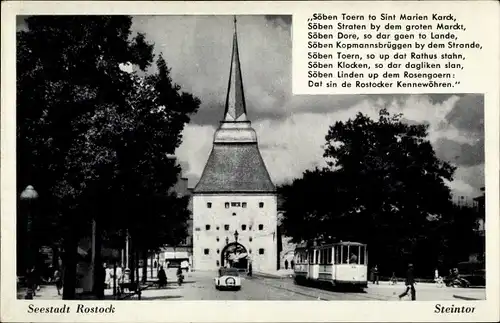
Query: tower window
x: 206, y: 251
x: 209, y: 205
x: 261, y: 204
x: 235, y: 204
x: 217, y: 227
x: 243, y: 227
x: 226, y: 205
x: 249, y: 250
x: 244, y: 204
x: 226, y: 227
x: 197, y: 229
x: 218, y: 239
x: 207, y: 227
x: 261, y: 251
x: 234, y: 214
x: 261, y: 227
x: 218, y: 251
x: 250, y: 239
x: 217, y: 263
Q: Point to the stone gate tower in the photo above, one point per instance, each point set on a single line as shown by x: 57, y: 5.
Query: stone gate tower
x: 234, y: 202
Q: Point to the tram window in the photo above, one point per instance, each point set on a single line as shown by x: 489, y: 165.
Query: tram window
x: 345, y: 254
x: 329, y: 261
x: 362, y: 255
x: 316, y: 254
x: 337, y: 254
x: 354, y: 255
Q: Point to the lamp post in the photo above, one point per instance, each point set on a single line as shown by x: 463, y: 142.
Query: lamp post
x: 29, y: 194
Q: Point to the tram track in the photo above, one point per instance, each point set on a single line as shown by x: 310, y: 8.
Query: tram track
x: 316, y: 291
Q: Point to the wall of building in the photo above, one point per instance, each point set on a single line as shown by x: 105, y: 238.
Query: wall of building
x: 209, y: 221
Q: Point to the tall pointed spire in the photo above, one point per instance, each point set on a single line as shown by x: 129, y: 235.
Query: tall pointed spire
x: 235, y: 101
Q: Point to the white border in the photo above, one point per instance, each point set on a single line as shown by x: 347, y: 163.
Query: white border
x: 14, y: 310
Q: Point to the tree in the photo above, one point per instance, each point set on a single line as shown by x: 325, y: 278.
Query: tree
x: 92, y: 137
x: 383, y: 186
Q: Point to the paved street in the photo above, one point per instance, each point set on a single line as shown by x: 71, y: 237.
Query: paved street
x: 199, y: 285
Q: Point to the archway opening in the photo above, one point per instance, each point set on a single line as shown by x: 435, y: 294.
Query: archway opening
x: 235, y: 255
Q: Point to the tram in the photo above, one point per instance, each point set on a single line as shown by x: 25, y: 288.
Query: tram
x: 337, y: 264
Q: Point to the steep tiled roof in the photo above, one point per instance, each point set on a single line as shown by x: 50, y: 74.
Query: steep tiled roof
x: 235, y: 168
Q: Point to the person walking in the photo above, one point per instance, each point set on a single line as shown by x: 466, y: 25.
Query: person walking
x: 286, y: 264
x: 394, y: 280
x: 162, y: 278
x: 30, y: 284
x: 58, y: 280
x: 409, y: 283
x: 107, y: 276
x: 250, y: 269
x: 375, y: 275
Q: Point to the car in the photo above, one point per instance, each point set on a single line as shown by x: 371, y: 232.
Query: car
x: 229, y: 278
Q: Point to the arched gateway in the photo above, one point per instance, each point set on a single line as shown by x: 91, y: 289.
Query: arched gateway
x: 235, y: 255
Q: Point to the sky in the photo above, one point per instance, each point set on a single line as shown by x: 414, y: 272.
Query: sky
x: 291, y: 129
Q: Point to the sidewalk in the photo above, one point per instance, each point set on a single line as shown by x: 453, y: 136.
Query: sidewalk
x: 427, y: 292
x: 46, y: 292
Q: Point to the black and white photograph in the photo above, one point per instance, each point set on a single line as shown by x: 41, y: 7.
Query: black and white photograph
x: 165, y: 158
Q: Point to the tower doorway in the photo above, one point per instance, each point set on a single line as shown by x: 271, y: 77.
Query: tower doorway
x: 235, y: 255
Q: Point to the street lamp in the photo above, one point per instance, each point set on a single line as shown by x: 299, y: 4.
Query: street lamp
x: 236, y: 234
x: 29, y: 194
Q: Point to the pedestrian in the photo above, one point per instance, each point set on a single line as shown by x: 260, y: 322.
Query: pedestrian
x: 409, y: 284
x: 394, y: 280
x: 34, y: 280
x: 119, y: 278
x: 30, y: 284
x: 107, y: 276
x: 375, y: 275
x: 286, y: 264
x: 58, y: 280
x: 162, y: 278
x: 292, y: 264
x: 250, y: 269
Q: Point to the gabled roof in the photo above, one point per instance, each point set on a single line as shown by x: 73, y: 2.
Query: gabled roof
x: 236, y: 168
